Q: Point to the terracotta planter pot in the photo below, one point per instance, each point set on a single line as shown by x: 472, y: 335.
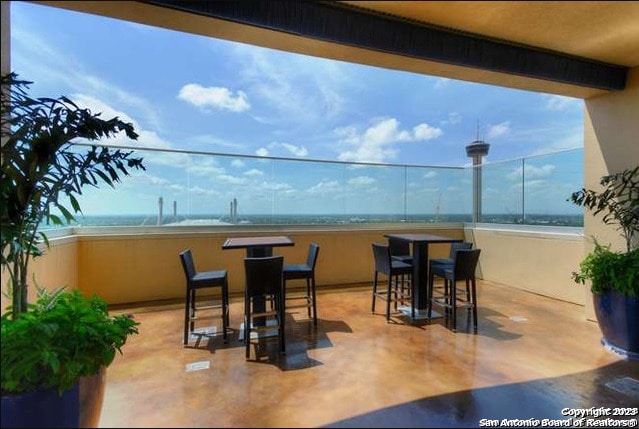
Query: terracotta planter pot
x: 91, y: 398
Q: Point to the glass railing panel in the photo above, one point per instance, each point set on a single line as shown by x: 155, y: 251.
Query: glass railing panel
x: 135, y: 200
x: 245, y: 189
x: 548, y: 182
x: 374, y: 193
x: 533, y: 190
x: 502, y: 193
x: 307, y: 192
x: 190, y: 188
x: 438, y: 194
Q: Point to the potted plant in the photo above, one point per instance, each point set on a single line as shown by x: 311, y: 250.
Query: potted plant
x: 614, y: 275
x: 47, y: 346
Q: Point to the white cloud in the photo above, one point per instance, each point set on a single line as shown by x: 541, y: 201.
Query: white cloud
x: 205, y: 166
x: 560, y: 103
x: 325, y: 187
x: 441, y: 83
x: 146, y: 138
x: 149, y: 179
x: 254, y: 172
x: 262, y: 151
x: 295, y: 150
x: 237, y: 163
x: 175, y: 188
x: 376, y: 144
x: 453, y: 118
x: 214, y: 96
x: 260, y: 188
x: 54, y: 66
x: 361, y: 181
x: 532, y: 172
x: 498, y: 130
x: 289, y: 85
x: 228, y: 179
x: 430, y: 175
x: 425, y: 132
x: 210, y: 140
x: 198, y: 190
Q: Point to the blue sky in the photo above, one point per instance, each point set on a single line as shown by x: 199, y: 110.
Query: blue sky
x: 183, y: 91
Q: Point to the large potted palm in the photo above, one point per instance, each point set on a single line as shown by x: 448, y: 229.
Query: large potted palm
x: 48, y: 345
x: 614, y: 276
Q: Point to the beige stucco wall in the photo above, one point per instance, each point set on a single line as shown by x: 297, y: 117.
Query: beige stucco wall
x: 130, y: 268
x: 611, y: 144
x: 57, y: 267
x: 537, y: 261
x: 143, y: 266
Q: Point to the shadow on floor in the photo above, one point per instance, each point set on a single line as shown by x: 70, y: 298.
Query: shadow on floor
x: 614, y: 385
x: 487, y: 326
x: 301, y: 336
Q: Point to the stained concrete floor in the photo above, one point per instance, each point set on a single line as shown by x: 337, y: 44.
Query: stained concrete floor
x: 532, y: 358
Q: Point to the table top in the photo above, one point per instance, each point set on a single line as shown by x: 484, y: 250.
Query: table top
x: 246, y: 242
x: 423, y: 238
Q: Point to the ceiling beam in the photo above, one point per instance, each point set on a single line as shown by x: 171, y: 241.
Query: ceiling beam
x: 347, y: 25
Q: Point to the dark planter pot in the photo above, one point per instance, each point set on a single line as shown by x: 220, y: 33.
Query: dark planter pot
x: 42, y: 409
x: 618, y: 318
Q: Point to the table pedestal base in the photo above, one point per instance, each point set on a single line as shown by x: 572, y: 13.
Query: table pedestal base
x: 419, y: 314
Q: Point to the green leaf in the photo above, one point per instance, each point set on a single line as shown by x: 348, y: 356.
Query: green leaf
x: 62, y: 336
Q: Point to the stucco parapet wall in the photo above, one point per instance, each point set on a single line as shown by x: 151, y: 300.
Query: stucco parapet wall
x: 164, y: 231
x: 532, y: 231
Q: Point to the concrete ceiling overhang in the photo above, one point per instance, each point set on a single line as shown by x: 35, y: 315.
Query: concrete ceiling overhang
x: 433, y: 38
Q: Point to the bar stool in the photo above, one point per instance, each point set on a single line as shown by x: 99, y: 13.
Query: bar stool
x: 307, y: 272
x: 463, y: 268
x: 264, y: 281
x: 201, y: 280
x: 395, y: 271
x: 440, y: 262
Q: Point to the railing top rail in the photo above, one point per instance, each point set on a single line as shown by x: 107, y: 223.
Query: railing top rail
x: 274, y: 158
x: 539, y: 155
x: 327, y: 161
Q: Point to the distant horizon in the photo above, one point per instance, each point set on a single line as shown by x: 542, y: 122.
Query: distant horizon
x: 328, y: 214
x: 316, y: 219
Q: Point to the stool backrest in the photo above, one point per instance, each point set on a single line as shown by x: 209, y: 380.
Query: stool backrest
x: 187, y: 264
x: 264, y: 276
x: 381, y: 254
x: 466, y: 263
x: 454, y: 247
x: 399, y: 247
x: 311, y: 259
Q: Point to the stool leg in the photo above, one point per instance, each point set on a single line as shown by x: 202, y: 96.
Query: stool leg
x: 313, y: 300
x: 225, y: 310
x: 187, y: 310
x: 247, y: 326
x: 192, y: 315
x: 396, y: 292
x: 453, y: 293
x: 308, y: 296
x: 374, y: 292
x: 282, y: 315
x: 412, y: 296
x: 431, y: 286
x: 388, y: 297
x: 473, y: 291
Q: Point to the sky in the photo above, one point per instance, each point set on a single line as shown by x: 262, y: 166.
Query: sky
x: 189, y: 92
